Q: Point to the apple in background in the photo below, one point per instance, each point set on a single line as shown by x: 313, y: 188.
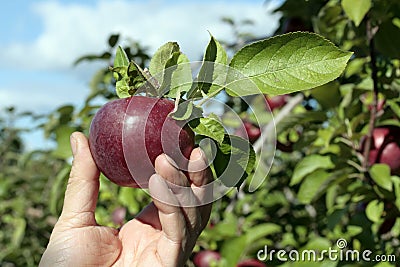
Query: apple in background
x: 251, y: 263
x: 126, y: 135
x: 294, y: 24
x: 288, y: 147
x: 118, y: 216
x: 275, y: 102
x: 387, y: 225
x: 385, y: 147
x: 248, y: 131
x: 205, y: 258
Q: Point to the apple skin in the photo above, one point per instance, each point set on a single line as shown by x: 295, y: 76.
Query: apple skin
x: 118, y: 216
x: 204, y: 258
x: 126, y: 136
x: 294, y: 24
x: 275, y: 102
x: 249, y: 131
x: 385, y: 147
x: 251, y: 263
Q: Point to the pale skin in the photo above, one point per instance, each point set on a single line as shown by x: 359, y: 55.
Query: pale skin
x: 161, y: 235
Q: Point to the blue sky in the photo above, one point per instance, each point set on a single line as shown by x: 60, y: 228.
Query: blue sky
x: 39, y: 41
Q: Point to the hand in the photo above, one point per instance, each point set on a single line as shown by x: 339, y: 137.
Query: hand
x: 161, y: 235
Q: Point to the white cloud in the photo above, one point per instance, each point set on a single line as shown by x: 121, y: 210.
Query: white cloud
x: 71, y: 30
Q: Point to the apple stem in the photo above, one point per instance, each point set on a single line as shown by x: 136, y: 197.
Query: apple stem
x: 374, y: 75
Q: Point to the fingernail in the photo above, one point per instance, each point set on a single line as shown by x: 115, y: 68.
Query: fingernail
x: 74, y: 144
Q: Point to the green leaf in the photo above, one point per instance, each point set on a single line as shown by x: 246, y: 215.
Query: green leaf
x: 354, y: 230
x: 19, y: 231
x: 160, y: 59
x: 356, y: 9
x: 232, y: 249
x: 256, y: 233
x: 374, y: 210
x: 286, y: 63
x: 113, y: 40
x: 122, y: 88
x: 396, y: 185
x: 212, y: 74
x: 104, y: 56
x: 311, y: 185
x: 355, y: 66
x: 127, y: 198
x: 327, y: 95
x: 187, y: 110
x: 131, y: 78
x: 262, y: 230
x: 63, y: 149
x: 209, y: 127
x: 182, y: 76
x: 318, y: 244
x: 177, y: 76
x: 215, y: 52
x: 308, y: 165
x: 121, y: 59
x: 57, y: 190
x: 380, y: 173
x: 395, y: 107
x: 301, y: 118
x: 234, y: 160
x: 127, y: 74
x: 385, y: 42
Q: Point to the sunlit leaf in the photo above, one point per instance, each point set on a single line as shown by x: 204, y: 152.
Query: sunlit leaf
x: 286, y: 63
x: 380, y: 173
x: 311, y: 185
x: 356, y: 9
x: 308, y: 165
x: 374, y: 210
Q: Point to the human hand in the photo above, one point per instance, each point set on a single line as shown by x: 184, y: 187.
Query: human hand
x: 163, y: 234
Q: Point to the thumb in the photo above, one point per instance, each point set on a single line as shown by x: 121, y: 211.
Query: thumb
x: 83, y: 185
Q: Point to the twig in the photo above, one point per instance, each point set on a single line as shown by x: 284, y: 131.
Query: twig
x: 367, y: 148
x: 278, y: 118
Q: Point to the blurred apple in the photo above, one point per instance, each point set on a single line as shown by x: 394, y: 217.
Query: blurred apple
x: 275, y: 102
x: 294, y: 24
x: 385, y: 147
x: 251, y: 263
x: 248, y: 131
x: 118, y: 216
x: 284, y: 147
x: 205, y: 258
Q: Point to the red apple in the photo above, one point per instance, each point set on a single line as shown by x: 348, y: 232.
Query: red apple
x: 126, y: 136
x: 118, y: 216
x: 275, y: 102
x: 205, y: 258
x: 387, y: 225
x: 251, y: 263
x: 294, y: 24
x: 385, y: 147
x: 248, y: 131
